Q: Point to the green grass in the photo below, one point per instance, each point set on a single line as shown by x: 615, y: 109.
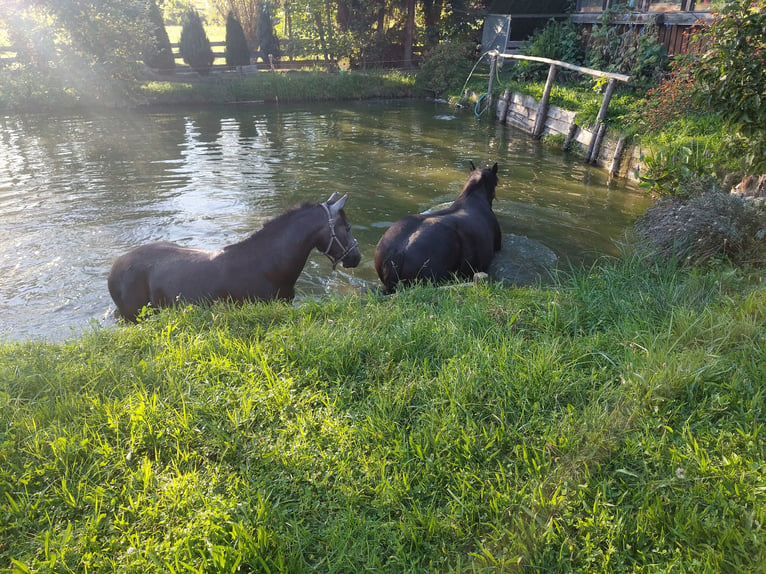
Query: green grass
x: 610, y: 423
x: 284, y: 87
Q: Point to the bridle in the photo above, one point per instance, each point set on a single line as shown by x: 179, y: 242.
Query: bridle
x: 334, y: 238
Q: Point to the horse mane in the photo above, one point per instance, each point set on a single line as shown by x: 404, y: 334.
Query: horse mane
x: 274, y: 223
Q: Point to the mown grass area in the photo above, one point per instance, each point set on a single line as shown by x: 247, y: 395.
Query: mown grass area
x: 228, y: 87
x: 612, y: 422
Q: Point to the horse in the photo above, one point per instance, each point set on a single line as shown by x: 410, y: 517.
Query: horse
x: 263, y: 266
x: 457, y: 241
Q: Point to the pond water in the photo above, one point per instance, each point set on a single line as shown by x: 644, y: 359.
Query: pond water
x: 77, y: 191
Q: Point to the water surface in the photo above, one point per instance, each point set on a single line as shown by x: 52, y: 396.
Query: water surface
x: 78, y: 191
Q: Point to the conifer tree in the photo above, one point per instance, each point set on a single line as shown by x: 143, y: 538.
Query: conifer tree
x: 269, y: 43
x: 195, y: 46
x: 237, y: 50
x: 158, y: 55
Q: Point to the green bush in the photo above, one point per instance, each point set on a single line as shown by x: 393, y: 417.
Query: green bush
x: 612, y: 47
x: 558, y: 40
x: 729, y: 76
x: 195, y: 46
x: 237, y: 50
x: 445, y: 67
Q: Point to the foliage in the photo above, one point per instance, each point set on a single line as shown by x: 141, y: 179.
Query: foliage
x: 613, y: 46
x: 730, y: 75
x: 671, y: 100
x: 246, y: 13
x: 674, y: 161
x: 91, y: 50
x: 194, y: 45
x: 445, y: 67
x: 557, y: 40
x: 610, y: 423
x: 237, y: 50
x: 159, y: 54
x: 707, y: 225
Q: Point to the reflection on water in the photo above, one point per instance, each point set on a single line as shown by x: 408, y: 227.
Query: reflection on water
x: 77, y: 191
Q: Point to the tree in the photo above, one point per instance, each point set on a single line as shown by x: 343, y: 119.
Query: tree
x: 158, y: 54
x: 195, y: 46
x: 246, y: 12
x: 267, y: 39
x: 237, y: 50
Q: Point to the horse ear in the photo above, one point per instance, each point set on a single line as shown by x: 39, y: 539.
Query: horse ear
x: 332, y: 198
x: 338, y: 205
x: 473, y: 167
x: 494, y: 168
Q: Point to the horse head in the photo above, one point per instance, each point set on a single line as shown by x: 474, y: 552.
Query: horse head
x: 484, y: 178
x: 337, y: 236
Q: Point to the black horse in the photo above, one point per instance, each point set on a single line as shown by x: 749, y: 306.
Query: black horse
x: 460, y: 240
x: 264, y: 266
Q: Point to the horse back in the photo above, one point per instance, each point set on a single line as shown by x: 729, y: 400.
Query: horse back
x: 434, y: 247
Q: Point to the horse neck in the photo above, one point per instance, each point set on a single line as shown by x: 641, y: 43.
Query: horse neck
x: 473, y: 191
x: 285, y: 242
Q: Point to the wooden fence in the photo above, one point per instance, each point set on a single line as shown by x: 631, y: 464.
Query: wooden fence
x: 542, y: 110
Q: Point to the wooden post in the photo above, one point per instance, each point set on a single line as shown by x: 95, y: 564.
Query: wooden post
x: 595, y: 146
x: 570, y: 136
x: 605, y: 102
x: 491, y: 86
x: 615, y: 167
x: 542, y: 108
x: 505, y: 101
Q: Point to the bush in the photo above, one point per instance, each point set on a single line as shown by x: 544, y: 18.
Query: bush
x: 730, y: 77
x: 445, y: 67
x: 614, y: 47
x: 694, y: 231
x: 237, y: 50
x: 557, y: 41
x: 195, y: 46
x: 158, y: 55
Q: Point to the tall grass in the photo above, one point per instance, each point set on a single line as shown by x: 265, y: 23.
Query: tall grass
x: 611, y: 422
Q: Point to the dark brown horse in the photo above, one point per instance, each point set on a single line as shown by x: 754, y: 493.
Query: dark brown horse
x: 266, y: 265
x: 458, y: 241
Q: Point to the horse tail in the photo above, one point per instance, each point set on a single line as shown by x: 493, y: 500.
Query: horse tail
x: 389, y: 266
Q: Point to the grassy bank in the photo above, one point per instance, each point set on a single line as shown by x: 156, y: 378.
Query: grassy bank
x: 22, y: 91
x: 228, y: 87
x: 612, y: 423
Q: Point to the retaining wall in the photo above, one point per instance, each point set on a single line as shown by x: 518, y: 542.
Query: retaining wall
x: 520, y: 111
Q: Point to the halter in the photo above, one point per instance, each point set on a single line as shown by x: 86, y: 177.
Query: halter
x: 333, y: 239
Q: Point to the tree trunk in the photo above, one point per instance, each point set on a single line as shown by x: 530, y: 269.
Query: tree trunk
x: 409, y: 34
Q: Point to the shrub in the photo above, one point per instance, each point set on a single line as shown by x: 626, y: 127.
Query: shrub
x: 557, y: 41
x: 674, y: 162
x: 158, y: 55
x: 730, y: 77
x: 444, y: 67
x: 195, y: 46
x: 614, y: 47
x: 237, y: 50
x: 713, y: 224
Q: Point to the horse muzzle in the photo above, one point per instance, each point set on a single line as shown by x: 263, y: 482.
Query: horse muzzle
x: 352, y: 257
